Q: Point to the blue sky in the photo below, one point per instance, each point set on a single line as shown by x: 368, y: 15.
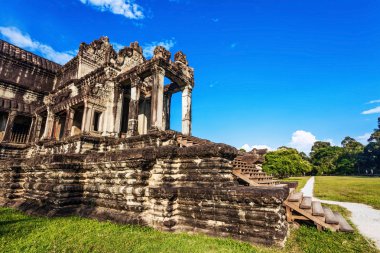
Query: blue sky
x: 267, y: 72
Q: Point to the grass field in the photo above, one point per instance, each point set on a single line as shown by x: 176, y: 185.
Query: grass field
x: 21, y: 233
x: 364, y: 190
x: 301, y: 181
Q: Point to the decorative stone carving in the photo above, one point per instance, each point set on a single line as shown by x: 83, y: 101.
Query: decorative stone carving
x: 62, y: 96
x: 98, y: 51
x: 129, y: 57
x: 157, y: 70
x: 161, y: 52
x: 181, y: 57
x: 136, y: 80
x: 98, y: 89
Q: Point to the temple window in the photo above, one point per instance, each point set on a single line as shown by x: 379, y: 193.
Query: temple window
x: 96, y: 121
x: 3, y: 124
x: 77, y: 121
x: 20, y: 129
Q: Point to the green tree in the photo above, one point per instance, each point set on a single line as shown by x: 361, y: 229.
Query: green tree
x: 285, y: 162
x: 370, y: 158
x: 324, y: 157
x: 348, y: 161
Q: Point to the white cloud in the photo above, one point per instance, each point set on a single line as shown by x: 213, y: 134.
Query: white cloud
x: 23, y: 40
x: 149, y: 47
x: 233, y: 45
x: 374, y: 101
x: 363, y: 138
x: 372, y: 111
x: 127, y: 8
x: 215, y: 20
x: 248, y: 148
x: 302, y: 141
x: 117, y: 46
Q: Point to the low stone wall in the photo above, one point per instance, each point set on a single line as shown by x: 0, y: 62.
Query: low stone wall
x: 166, y: 187
x: 250, y: 214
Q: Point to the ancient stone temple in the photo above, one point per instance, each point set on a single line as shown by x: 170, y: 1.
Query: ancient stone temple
x: 93, y: 138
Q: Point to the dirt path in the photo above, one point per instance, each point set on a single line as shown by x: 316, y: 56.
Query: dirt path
x: 365, y: 218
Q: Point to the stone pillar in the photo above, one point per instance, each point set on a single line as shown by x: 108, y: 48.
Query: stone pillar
x: 84, y: 117
x: 68, y: 122
x: 167, y: 103
x: 134, y: 107
x: 157, y: 98
x: 119, y: 109
x: 8, y: 128
x: 32, y: 129
x: 186, y: 110
x: 56, y: 129
x: 37, y: 128
x: 144, y: 115
x: 87, y: 118
x: 49, y: 124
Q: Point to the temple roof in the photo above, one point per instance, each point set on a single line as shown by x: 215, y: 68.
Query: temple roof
x: 20, y: 54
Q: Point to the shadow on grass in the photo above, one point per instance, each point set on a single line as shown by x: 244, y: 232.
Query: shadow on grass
x: 25, y: 225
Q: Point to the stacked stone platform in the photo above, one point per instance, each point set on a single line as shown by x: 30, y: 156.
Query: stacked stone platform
x: 148, y: 180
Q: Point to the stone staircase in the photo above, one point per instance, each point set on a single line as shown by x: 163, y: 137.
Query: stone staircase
x: 299, y: 207
x: 187, y: 141
x: 251, y: 173
x: 248, y: 173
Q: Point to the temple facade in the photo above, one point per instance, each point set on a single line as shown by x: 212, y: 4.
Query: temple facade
x: 92, y: 138
x: 99, y: 92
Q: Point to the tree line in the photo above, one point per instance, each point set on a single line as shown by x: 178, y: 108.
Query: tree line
x: 351, y: 158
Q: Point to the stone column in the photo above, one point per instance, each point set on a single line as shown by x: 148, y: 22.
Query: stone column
x: 119, y: 109
x: 49, y: 124
x: 37, y: 128
x: 56, y: 129
x: 32, y: 129
x: 186, y: 110
x: 87, y: 118
x: 167, y: 103
x: 68, y: 122
x: 8, y: 128
x: 84, y: 117
x: 134, y: 107
x: 157, y: 98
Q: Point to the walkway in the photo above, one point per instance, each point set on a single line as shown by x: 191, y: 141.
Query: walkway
x: 365, y: 218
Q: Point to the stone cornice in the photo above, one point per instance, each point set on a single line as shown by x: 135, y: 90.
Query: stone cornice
x: 29, y: 58
x: 174, y: 71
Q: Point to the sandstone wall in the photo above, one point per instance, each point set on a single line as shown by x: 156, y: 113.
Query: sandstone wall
x: 26, y: 69
x: 169, y: 188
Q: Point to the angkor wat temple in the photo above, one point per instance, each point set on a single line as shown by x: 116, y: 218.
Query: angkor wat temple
x: 93, y: 138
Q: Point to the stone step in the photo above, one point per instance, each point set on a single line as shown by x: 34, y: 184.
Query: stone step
x: 245, y: 171
x: 258, y: 173
x: 306, y: 203
x: 270, y: 182
x: 295, y: 197
x: 317, y: 209
x: 344, y: 226
x: 261, y: 177
x: 330, y: 218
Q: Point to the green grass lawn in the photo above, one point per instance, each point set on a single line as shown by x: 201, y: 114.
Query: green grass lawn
x: 364, y: 190
x: 22, y: 233
x: 301, y: 181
